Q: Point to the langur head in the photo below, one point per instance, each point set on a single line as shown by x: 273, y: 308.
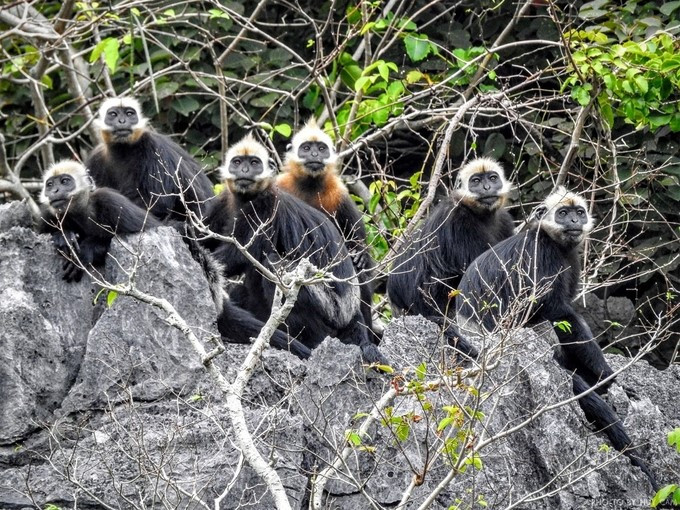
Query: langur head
x: 482, y: 184
x: 564, y: 216
x: 121, y: 120
x: 247, y: 167
x: 311, y: 150
x: 66, y: 185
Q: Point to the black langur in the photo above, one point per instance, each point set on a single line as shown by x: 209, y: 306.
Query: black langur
x: 83, y: 218
x: 460, y: 228
x: 279, y: 230
x: 147, y: 167
x: 310, y: 173
x: 533, y: 277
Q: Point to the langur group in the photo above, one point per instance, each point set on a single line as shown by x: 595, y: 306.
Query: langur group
x: 463, y: 267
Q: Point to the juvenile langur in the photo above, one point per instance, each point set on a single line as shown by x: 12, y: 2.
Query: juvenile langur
x: 458, y: 229
x: 83, y: 218
x: 279, y: 230
x: 310, y: 173
x: 533, y: 277
x: 147, y: 167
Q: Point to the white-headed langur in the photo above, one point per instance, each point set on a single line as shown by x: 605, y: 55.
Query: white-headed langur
x: 533, y: 277
x: 147, y: 167
x: 459, y: 228
x: 279, y: 230
x: 310, y: 173
x: 83, y: 219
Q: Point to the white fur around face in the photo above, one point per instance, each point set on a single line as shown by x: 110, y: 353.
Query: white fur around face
x: 558, y: 198
x: 72, y: 168
x: 123, y: 102
x: 247, y: 146
x: 481, y: 165
x: 311, y: 132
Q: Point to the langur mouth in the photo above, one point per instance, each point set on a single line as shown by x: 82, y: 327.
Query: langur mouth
x: 488, y: 200
x: 122, y: 133
x: 314, y: 166
x: 59, y: 203
x: 573, y: 232
x: 243, y: 182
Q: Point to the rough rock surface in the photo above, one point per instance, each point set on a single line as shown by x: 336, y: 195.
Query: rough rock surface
x: 109, y: 407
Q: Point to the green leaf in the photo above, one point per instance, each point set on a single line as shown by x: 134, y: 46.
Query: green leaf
x: 384, y: 71
x: 417, y: 46
x: 674, y: 438
x: 362, y: 83
x: 185, y: 105
x: 402, y: 431
x: 663, y: 494
x: 414, y: 76
x: 109, y: 47
x: 421, y: 370
x: 110, y: 298
x: 353, y: 437
x: 564, y: 326
x: 445, y: 422
x: 283, y: 129
x: 47, y: 81
x: 642, y: 84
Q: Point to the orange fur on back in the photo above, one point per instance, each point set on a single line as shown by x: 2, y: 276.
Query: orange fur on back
x: 331, y: 190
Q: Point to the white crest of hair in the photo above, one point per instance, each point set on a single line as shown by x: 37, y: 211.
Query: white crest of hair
x: 247, y: 146
x: 311, y: 132
x: 478, y: 166
x: 561, y: 196
x: 121, y: 102
x: 71, y: 167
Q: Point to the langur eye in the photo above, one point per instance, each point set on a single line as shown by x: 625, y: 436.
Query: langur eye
x: 256, y: 162
x: 493, y: 177
x: 305, y: 147
x: 475, y: 180
x: 64, y: 180
x: 236, y: 161
x: 322, y: 147
x: 112, y: 113
x: 563, y: 212
x: 130, y: 113
x: 49, y: 184
x: 580, y: 212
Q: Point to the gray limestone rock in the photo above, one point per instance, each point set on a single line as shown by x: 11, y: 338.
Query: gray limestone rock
x: 109, y: 407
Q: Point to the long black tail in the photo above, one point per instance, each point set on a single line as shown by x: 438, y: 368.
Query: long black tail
x: 238, y: 326
x: 606, y: 420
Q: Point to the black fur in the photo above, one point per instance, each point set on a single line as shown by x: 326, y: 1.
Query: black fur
x: 90, y: 225
x: 503, y: 277
x: 145, y: 172
x: 292, y: 230
x: 349, y: 221
x: 494, y: 282
x: 432, y: 264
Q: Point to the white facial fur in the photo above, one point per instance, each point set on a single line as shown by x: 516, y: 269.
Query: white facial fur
x: 311, y: 132
x: 74, y: 169
x: 480, y: 165
x: 561, y: 197
x: 247, y: 146
x: 124, y: 102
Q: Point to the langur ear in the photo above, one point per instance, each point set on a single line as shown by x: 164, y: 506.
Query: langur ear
x: 539, y: 213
